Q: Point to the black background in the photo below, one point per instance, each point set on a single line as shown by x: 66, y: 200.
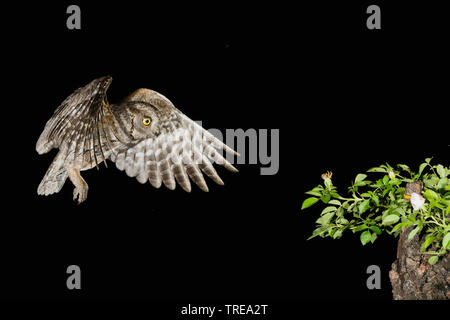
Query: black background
x: 345, y: 98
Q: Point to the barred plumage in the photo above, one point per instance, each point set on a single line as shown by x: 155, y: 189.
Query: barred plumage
x: 145, y: 135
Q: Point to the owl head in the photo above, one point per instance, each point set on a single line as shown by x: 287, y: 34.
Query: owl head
x: 140, y: 120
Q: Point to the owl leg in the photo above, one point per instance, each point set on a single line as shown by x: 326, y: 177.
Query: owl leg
x: 81, y: 187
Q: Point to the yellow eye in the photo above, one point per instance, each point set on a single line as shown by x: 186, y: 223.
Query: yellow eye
x: 146, y: 121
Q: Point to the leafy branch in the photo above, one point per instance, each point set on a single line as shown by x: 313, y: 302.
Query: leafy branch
x: 384, y: 205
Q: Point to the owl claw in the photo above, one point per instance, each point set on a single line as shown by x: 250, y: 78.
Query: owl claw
x: 80, y: 193
x: 81, y: 187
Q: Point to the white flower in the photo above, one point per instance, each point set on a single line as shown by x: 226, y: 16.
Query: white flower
x: 417, y: 201
x: 391, y: 174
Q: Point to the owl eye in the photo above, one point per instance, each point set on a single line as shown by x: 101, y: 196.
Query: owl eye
x: 146, y: 121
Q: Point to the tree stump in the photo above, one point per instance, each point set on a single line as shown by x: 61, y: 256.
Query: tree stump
x: 413, y: 278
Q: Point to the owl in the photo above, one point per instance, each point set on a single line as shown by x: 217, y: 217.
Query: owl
x: 145, y: 135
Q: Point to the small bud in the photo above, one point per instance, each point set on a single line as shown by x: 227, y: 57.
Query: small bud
x: 327, y: 175
x: 391, y: 174
x: 327, y: 179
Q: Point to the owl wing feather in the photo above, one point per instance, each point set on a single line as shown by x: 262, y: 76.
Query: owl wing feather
x: 76, y: 127
x: 179, y: 154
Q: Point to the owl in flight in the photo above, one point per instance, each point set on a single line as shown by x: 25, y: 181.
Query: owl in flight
x: 145, y: 135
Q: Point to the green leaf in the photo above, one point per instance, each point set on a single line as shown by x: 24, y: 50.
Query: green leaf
x: 325, y: 198
x: 431, y: 182
x: 429, y: 240
x: 395, y: 182
x: 335, y: 195
x: 345, y: 205
x: 363, y: 206
x: 391, y: 195
x: 314, y: 193
x: 390, y: 219
x: 318, y: 232
x: 376, y: 199
x: 365, y: 237
x: 442, y: 183
x: 422, y: 166
x: 431, y: 195
x: 318, y: 188
x: 446, y: 241
x: 375, y: 229
x: 335, y: 202
x: 360, y: 177
x: 440, y: 170
x: 377, y: 169
x: 365, y: 195
x: 328, y: 209
x: 427, y: 160
x: 325, y: 219
x: 385, y: 179
x: 414, y: 232
x: 309, y: 202
x: 340, y: 212
x: 337, y: 234
x: 397, y: 211
x: 400, y: 225
x: 361, y: 183
x: 374, y: 237
x: 404, y: 167
x: 433, y: 260
x: 362, y: 227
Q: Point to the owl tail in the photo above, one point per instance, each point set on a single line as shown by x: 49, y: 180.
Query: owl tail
x: 54, y: 179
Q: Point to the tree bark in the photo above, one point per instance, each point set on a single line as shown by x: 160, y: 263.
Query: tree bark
x: 413, y: 278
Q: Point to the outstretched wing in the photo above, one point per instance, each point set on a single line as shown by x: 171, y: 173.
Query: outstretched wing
x: 179, y: 154
x: 76, y: 127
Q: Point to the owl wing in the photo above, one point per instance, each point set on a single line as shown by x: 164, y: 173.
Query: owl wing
x: 76, y: 127
x: 179, y: 154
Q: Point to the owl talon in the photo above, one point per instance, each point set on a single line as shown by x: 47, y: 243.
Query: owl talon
x: 81, y: 187
x: 80, y: 193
